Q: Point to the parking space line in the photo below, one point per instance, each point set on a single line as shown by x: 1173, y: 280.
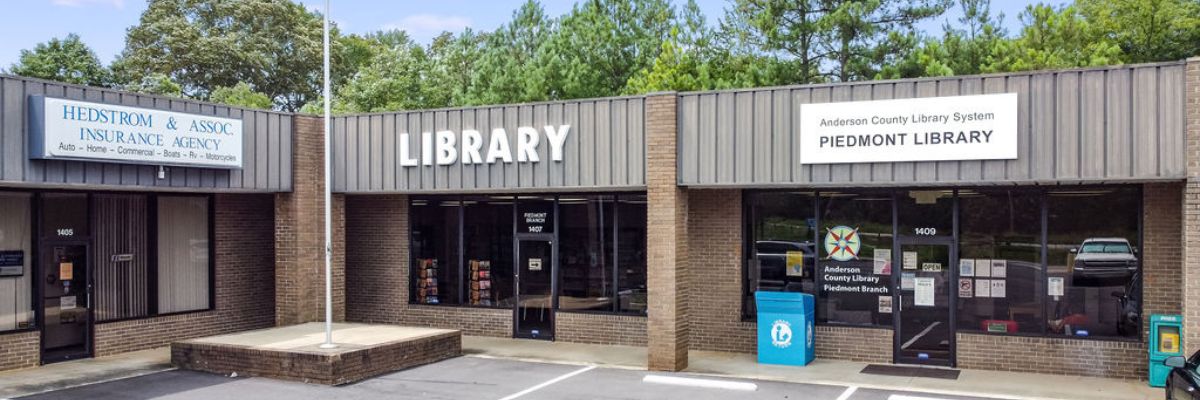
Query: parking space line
x: 849, y: 392
x: 548, y: 383
x: 906, y: 397
x: 704, y: 383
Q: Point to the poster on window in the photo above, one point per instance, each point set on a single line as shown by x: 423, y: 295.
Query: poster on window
x: 924, y: 293
x: 906, y: 280
x: 885, y: 304
x: 66, y: 302
x: 999, y: 268
x: 795, y: 263
x: 966, y: 267
x: 883, y: 262
x: 966, y: 288
x: 983, y: 288
x: 983, y: 268
x: 998, y: 288
x: 910, y: 260
x: 1055, y: 286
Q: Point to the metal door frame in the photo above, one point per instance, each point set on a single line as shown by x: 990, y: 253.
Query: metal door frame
x: 951, y: 243
x: 90, y: 333
x: 548, y: 238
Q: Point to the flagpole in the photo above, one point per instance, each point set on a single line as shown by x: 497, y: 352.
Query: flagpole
x: 328, y: 205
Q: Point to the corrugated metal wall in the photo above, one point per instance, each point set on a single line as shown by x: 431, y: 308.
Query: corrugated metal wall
x: 267, y: 146
x: 605, y: 148
x: 1093, y: 125
x: 119, y: 228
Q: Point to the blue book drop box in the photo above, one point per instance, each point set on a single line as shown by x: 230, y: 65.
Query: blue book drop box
x: 785, y: 328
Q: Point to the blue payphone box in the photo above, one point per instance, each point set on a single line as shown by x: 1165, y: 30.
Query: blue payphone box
x: 785, y: 328
x: 1166, y: 333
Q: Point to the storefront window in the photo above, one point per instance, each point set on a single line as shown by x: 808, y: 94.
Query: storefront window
x: 1094, y: 279
x: 487, y: 243
x: 854, y: 268
x: 16, y: 274
x: 435, y: 235
x: 631, y: 254
x: 783, y: 251
x: 1000, y: 240
x: 183, y: 253
x: 585, y: 253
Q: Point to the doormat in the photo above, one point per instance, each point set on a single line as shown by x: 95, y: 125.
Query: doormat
x: 915, y: 372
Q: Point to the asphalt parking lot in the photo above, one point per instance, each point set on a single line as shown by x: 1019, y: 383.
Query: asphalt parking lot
x: 478, y: 378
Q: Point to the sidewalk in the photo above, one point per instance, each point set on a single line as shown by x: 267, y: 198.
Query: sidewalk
x: 24, y: 382
x: 1005, y: 385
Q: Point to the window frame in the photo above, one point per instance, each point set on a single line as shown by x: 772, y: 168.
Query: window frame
x: 750, y: 255
x: 461, y: 253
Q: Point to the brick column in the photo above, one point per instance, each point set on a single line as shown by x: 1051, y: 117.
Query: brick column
x: 299, y: 233
x: 1191, y: 209
x: 666, y: 242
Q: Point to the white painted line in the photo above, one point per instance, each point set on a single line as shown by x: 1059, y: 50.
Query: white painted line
x: 903, y: 397
x: 919, y: 335
x: 849, y: 392
x: 548, y: 383
x: 703, y: 383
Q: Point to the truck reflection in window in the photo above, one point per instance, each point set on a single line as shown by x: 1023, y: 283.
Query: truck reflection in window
x: 1103, y: 262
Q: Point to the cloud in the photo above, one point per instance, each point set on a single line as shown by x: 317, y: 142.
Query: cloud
x: 84, y: 3
x: 429, y: 24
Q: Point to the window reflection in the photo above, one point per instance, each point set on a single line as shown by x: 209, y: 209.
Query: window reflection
x: 1000, y: 231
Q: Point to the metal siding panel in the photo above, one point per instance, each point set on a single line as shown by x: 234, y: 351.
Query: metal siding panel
x: 410, y: 176
x: 1091, y: 125
x: 129, y: 173
x: 112, y: 172
x: 904, y: 171
x: 388, y: 161
x: 337, y: 152
x: 860, y: 172
x: 994, y: 170
x: 726, y: 137
x: 926, y: 171
x: 1019, y: 168
x: 689, y: 138
x: 587, y: 144
x: 376, y: 134
x: 781, y: 135
x: 571, y: 146
x: 558, y: 169
x: 495, y: 172
x: 50, y: 171
x: 362, y: 145
x: 1172, y: 134
x: 619, y: 137
x: 512, y: 171
x: 353, y: 158
x: 820, y: 173
x: 441, y: 173
x: 760, y: 159
x: 285, y: 156
x: 637, y: 141
x: 261, y: 150
x: 93, y: 172
x: 706, y: 138
x: 882, y: 172
x: 1042, y: 118
x: 541, y: 170
x: 1145, y: 122
x: 743, y: 138
x: 970, y: 170
x: 604, y: 143
x: 74, y: 172
x: 800, y: 173
x: 425, y: 124
x: 245, y: 179
x: 948, y: 171
x: 1066, y: 143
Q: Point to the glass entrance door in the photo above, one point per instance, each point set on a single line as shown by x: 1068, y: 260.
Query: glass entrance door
x: 534, y: 273
x: 66, y: 302
x: 924, y: 327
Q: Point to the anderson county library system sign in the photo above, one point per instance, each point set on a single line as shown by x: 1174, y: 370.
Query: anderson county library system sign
x: 980, y: 127
x: 63, y: 129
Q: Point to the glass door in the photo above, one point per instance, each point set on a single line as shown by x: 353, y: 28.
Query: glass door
x: 924, y: 328
x: 66, y: 302
x: 534, y: 276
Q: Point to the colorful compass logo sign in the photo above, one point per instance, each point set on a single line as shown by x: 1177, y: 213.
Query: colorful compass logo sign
x: 842, y: 243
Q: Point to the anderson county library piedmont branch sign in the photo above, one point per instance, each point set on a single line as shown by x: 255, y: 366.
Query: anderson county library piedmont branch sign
x: 981, y: 127
x: 63, y: 129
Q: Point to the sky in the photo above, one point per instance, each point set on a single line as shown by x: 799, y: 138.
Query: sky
x: 102, y: 23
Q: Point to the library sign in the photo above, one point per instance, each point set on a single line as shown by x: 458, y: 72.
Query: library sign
x: 979, y: 127
x: 61, y: 129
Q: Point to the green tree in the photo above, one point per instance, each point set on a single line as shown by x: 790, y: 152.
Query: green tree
x: 1056, y: 38
x: 1146, y: 30
x: 155, y: 83
x: 861, y: 37
x: 600, y: 44
x: 241, y: 95
x: 508, y: 70
x: 273, y: 45
x: 65, y: 60
x: 969, y: 46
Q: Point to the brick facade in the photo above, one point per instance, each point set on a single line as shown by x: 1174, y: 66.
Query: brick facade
x: 1103, y: 358
x: 20, y: 350
x: 666, y: 240
x: 624, y: 330
x: 245, y: 288
x: 300, y: 231
x: 1191, y: 209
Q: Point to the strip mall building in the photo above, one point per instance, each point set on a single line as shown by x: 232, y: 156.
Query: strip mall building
x: 1025, y: 222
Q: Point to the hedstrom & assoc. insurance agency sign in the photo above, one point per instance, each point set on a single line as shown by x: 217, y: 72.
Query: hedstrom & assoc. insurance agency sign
x: 61, y: 129
x: 978, y: 127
